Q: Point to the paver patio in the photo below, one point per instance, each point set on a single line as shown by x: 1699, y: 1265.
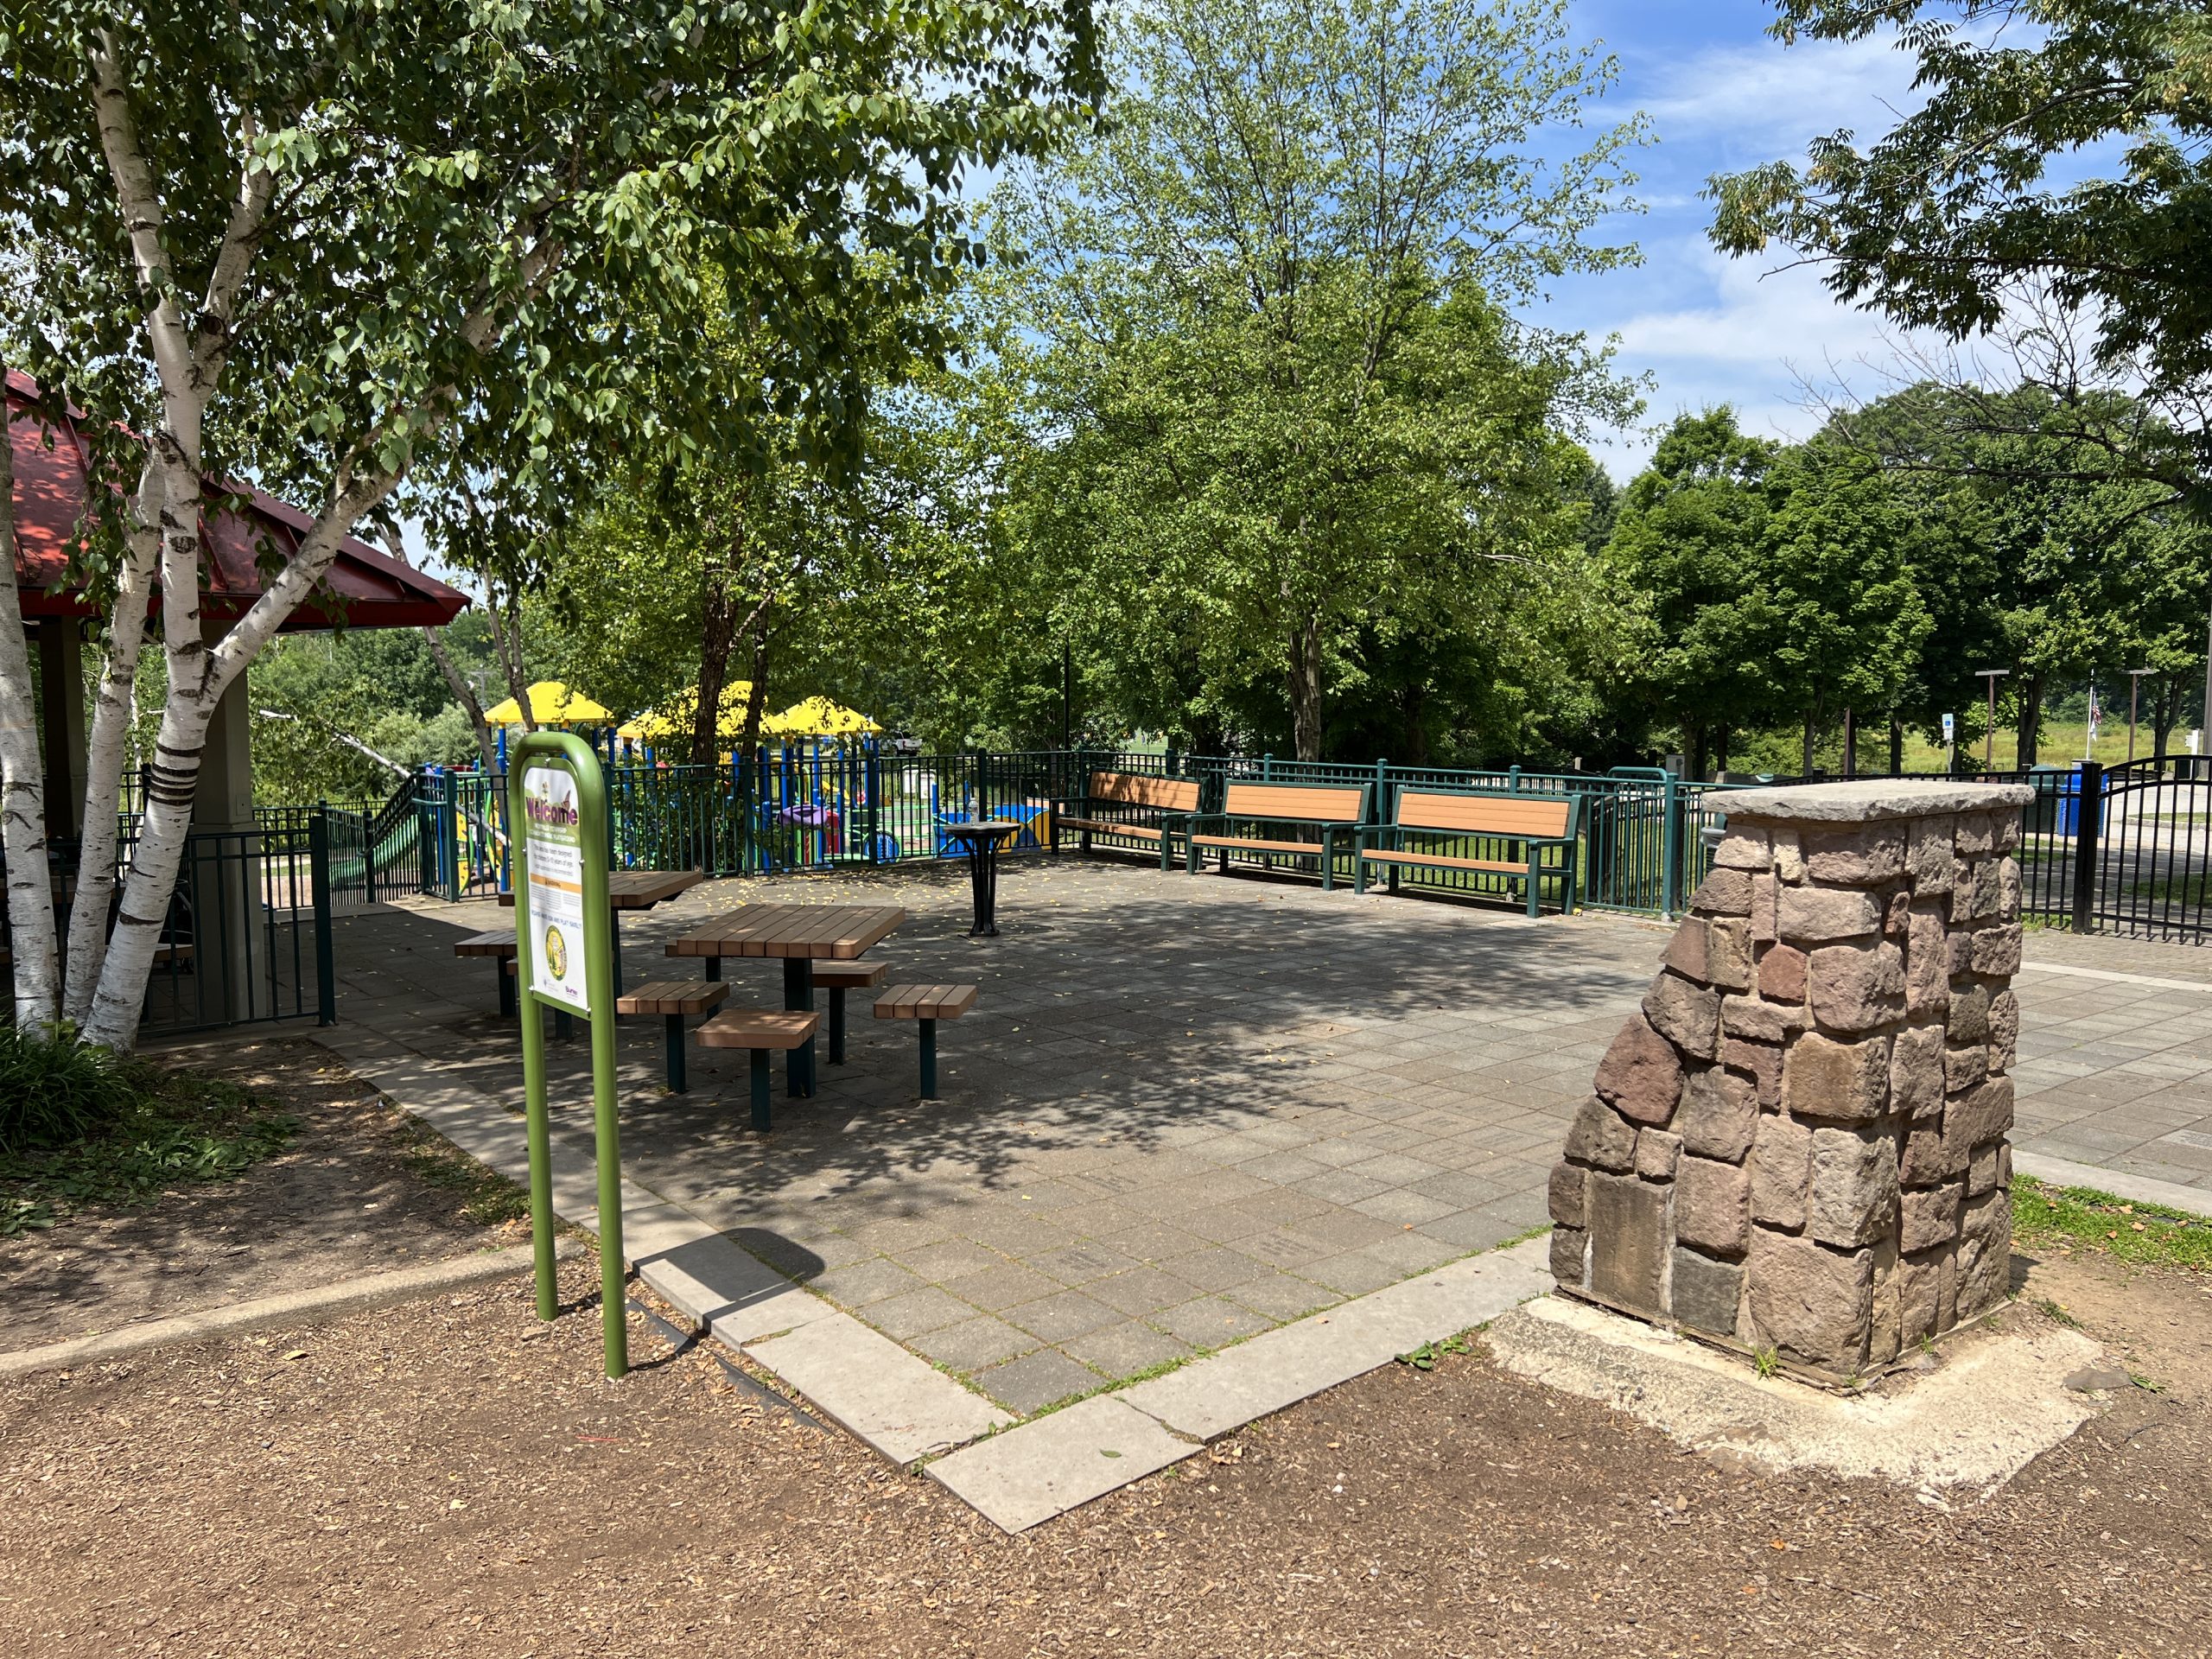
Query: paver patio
x: 1186, y: 1110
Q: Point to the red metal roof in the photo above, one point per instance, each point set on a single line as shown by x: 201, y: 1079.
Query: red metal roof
x: 366, y: 588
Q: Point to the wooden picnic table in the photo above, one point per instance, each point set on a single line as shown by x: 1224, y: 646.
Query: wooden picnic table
x: 798, y: 936
x: 639, y: 889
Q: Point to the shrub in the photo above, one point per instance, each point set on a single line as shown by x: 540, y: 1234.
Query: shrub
x: 55, y: 1090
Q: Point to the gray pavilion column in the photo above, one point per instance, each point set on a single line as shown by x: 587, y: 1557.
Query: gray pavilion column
x: 230, y: 932
x: 61, y: 696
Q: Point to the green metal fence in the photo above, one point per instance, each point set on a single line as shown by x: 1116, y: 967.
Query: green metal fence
x: 829, y: 807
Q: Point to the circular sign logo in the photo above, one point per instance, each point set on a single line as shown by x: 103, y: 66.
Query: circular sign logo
x: 557, y: 953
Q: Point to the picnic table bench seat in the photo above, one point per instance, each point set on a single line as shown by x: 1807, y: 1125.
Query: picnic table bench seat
x: 926, y: 1004
x: 764, y: 1032
x: 1482, y: 829
x: 675, y: 1001
x: 838, y: 978
x: 1128, y: 805
x: 498, y: 945
x: 1252, y: 815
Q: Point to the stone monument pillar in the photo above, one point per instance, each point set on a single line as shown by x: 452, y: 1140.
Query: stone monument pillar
x: 1798, y: 1144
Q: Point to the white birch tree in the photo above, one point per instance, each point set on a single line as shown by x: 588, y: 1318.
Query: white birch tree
x: 301, y: 241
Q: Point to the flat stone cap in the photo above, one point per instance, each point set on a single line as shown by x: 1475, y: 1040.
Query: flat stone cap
x: 1866, y: 800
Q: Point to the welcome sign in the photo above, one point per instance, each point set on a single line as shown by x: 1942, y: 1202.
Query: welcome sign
x: 553, y: 856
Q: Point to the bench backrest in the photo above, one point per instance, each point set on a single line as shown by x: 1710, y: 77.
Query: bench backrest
x: 1132, y: 789
x: 1297, y: 803
x: 1542, y: 816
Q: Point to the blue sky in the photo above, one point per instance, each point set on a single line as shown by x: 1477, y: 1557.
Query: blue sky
x: 1722, y: 94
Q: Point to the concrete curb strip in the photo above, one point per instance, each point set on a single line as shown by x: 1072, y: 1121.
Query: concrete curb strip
x: 1209, y: 1398
x: 1047, y: 1468
x: 899, y: 1403
x: 293, y: 1308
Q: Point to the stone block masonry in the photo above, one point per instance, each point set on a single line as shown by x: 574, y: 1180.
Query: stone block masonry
x: 1799, y: 1141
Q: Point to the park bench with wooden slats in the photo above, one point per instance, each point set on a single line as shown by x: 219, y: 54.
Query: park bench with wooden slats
x: 1328, y: 813
x: 764, y: 1032
x: 499, y: 944
x: 1131, y: 805
x: 838, y: 978
x: 675, y: 1001
x: 926, y: 1004
x: 1475, y: 824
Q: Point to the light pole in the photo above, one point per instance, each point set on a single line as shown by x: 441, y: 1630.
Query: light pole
x: 2134, y: 694
x: 1989, y: 733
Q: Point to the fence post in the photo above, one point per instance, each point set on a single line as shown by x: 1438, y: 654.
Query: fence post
x: 326, y: 973
x: 426, y: 849
x: 1267, y: 767
x: 2088, y: 816
x: 1513, y: 778
x: 1379, y: 808
x: 369, y: 854
x: 450, y: 839
x: 1671, y: 851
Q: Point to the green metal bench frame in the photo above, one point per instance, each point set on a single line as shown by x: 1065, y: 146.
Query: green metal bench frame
x: 1272, y: 799
x: 1387, y: 838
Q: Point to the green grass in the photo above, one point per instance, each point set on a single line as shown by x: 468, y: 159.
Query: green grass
x: 486, y: 1198
x: 2189, y: 890
x: 2097, y: 1223
x: 162, y: 1130
x: 54, y: 1090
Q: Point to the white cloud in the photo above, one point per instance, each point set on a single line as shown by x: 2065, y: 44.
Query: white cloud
x: 1774, y: 98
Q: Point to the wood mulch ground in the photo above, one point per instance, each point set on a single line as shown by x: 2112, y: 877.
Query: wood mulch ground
x: 359, y: 1188
x: 449, y: 1477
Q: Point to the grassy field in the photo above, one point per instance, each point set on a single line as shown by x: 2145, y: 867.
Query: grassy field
x: 2060, y: 745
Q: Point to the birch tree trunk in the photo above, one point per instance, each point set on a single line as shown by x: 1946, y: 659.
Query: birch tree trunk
x: 465, y: 695
x: 113, y: 710
x: 22, y: 787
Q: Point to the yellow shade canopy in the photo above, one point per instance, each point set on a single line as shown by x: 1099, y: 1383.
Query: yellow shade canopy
x: 551, y: 703
x: 818, y: 717
x: 674, y: 717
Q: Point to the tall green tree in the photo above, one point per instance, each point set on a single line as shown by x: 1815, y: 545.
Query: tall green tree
x: 1971, y: 217
x: 303, y: 240
x: 1276, y: 383
x: 1844, y: 618
x: 1686, y: 547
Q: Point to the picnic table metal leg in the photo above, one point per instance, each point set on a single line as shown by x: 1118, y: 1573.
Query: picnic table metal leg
x: 614, y: 946
x: 678, y: 1083
x: 714, y: 967
x: 837, y: 1025
x: 564, y: 1028
x: 798, y: 995
x: 506, y: 987
x: 929, y: 1058
x: 760, y: 1089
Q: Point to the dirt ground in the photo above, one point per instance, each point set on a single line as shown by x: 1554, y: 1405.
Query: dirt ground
x: 448, y: 1477
x: 357, y: 1190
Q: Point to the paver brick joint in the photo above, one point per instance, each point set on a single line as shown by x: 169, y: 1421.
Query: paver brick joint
x: 1819, y: 1170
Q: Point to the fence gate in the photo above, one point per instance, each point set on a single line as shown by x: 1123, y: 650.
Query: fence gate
x: 2124, y: 850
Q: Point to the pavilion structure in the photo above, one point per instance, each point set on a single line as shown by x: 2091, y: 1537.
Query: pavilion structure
x: 363, y: 588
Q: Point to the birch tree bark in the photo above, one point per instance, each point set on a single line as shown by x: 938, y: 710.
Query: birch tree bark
x: 113, y: 709
x: 23, y: 786
x: 465, y: 695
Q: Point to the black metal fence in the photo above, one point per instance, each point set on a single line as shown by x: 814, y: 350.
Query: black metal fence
x: 247, y: 935
x: 2124, y: 850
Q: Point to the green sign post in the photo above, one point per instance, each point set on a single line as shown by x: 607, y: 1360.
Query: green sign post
x: 557, y: 822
